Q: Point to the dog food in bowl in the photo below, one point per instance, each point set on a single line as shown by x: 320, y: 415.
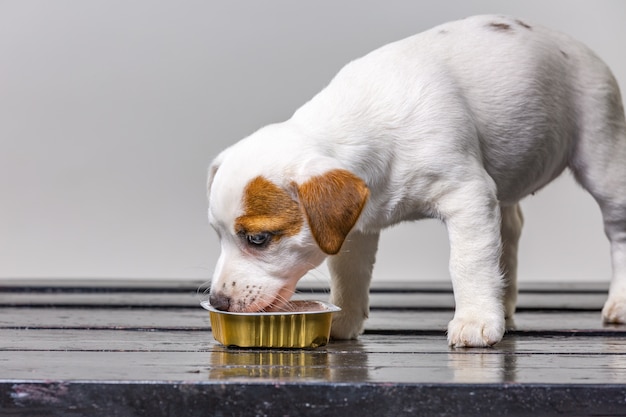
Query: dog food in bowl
x: 303, y: 324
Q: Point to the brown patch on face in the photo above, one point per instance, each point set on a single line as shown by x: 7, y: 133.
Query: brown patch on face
x: 522, y: 24
x: 501, y: 27
x: 268, y: 208
x: 333, y: 203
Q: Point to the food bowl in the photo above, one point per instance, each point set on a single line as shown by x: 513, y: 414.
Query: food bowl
x: 303, y: 324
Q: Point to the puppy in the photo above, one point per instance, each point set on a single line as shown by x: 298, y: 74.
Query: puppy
x: 457, y: 123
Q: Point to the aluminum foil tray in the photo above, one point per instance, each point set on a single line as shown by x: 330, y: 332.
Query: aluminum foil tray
x: 305, y: 325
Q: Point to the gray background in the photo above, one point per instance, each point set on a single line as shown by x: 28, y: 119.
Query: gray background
x: 111, y: 111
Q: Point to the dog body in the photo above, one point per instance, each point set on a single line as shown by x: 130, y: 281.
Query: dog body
x: 457, y: 123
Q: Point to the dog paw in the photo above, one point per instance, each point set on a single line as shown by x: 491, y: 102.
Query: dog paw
x: 614, y: 311
x: 346, y: 326
x: 475, y: 331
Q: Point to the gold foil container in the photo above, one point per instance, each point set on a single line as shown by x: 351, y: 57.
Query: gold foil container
x: 305, y: 325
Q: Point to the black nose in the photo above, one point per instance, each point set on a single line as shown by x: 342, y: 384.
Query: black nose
x: 219, y: 301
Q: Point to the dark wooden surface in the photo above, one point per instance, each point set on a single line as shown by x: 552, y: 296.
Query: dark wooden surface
x: 133, y: 348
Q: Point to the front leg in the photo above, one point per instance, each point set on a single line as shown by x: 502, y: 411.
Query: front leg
x: 351, y: 273
x: 472, y: 216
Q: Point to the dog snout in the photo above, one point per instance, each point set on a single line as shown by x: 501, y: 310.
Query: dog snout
x: 219, y: 301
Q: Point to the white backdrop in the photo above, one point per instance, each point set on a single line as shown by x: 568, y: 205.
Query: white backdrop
x: 111, y: 110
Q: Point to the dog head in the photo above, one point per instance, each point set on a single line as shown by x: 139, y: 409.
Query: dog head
x: 278, y: 212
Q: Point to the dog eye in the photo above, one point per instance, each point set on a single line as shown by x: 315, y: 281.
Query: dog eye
x: 259, y: 239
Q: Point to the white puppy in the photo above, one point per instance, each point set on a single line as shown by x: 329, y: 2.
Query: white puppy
x: 457, y: 123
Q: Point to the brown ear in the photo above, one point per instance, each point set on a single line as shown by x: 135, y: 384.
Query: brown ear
x: 332, y: 202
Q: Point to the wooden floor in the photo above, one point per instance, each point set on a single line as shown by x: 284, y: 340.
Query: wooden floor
x: 145, y: 349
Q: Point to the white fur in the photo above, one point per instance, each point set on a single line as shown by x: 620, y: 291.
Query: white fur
x: 458, y: 123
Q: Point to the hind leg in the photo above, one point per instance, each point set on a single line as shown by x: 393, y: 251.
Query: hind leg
x: 613, y: 208
x: 511, y: 230
x: 614, y: 310
x: 614, y: 214
x: 599, y: 164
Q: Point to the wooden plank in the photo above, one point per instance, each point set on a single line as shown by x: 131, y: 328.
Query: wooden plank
x: 541, y: 322
x: 101, y: 285
x: 117, y: 399
x: 352, y: 365
x: 105, y: 318
x: 95, y: 299
x: 202, y: 341
x: 380, y: 321
x: 193, y: 286
x: 378, y: 300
